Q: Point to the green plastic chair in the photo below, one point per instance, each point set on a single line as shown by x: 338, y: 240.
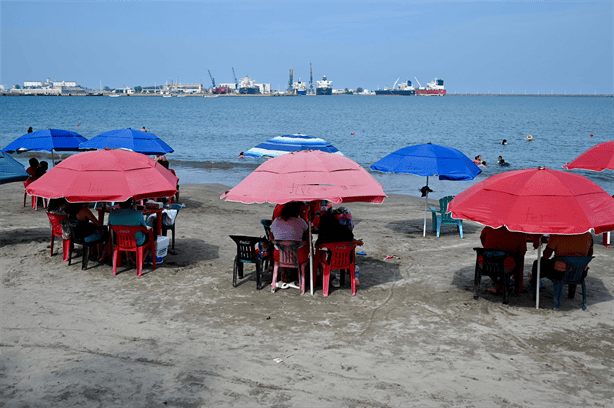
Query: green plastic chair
x: 441, y: 218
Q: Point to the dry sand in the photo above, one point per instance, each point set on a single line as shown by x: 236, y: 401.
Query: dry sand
x: 182, y: 336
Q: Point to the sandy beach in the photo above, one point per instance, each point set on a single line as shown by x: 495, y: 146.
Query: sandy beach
x: 182, y: 336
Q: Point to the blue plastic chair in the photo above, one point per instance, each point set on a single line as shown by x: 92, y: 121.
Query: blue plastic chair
x: 441, y: 218
x: 574, y: 274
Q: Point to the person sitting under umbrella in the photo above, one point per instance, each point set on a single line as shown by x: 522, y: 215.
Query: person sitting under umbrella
x: 288, y: 226
x: 87, y: 227
x: 562, y: 245
x: 502, y: 239
x: 128, y: 216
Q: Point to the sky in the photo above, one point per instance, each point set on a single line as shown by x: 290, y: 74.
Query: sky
x: 476, y: 47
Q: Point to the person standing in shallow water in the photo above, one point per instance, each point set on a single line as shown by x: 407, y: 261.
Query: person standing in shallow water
x: 143, y: 129
x: 30, y: 129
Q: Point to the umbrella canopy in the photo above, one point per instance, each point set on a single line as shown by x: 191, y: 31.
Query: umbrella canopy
x: 11, y: 170
x: 597, y: 158
x: 429, y: 160
x: 290, y: 143
x: 307, y: 176
x: 537, y: 201
x: 135, y: 140
x: 47, y: 140
x: 105, y: 175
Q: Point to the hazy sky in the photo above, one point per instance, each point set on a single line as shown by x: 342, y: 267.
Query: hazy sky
x: 510, y: 46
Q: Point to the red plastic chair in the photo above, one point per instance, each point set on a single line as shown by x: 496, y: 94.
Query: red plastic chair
x: 289, y: 258
x: 337, y: 255
x: 124, y: 240
x: 56, y: 231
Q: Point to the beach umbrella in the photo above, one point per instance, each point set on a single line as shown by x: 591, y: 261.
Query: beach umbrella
x: 429, y: 160
x: 308, y: 176
x: 49, y: 140
x: 11, y: 170
x: 597, y: 158
x: 290, y: 143
x: 105, y: 175
x: 135, y: 140
x: 537, y: 201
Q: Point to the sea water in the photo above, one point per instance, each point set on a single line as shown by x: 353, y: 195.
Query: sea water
x: 208, y: 134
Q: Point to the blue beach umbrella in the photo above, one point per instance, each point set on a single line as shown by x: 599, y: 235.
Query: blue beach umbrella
x: 11, y: 170
x: 49, y: 140
x: 429, y: 160
x: 135, y: 140
x: 290, y: 143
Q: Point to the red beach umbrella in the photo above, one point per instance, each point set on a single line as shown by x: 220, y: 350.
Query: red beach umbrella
x: 306, y: 176
x: 597, y: 158
x: 537, y: 201
x: 105, y: 175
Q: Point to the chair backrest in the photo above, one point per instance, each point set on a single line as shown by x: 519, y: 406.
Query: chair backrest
x: 246, y: 247
x: 55, y: 219
x: 574, y: 267
x: 493, y: 260
x: 267, y: 228
x: 125, y: 236
x: 288, y: 253
x: 342, y: 254
x: 443, y: 207
x: 175, y: 207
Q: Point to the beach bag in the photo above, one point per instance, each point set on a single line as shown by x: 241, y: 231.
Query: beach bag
x: 264, y: 249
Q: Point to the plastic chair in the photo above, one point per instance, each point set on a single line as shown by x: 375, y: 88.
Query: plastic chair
x: 267, y: 228
x: 56, y: 231
x: 124, y: 240
x: 492, y: 265
x: 337, y: 255
x: 165, y: 227
x: 442, y: 218
x: 246, y: 253
x: 69, y: 225
x: 288, y: 258
x: 576, y: 269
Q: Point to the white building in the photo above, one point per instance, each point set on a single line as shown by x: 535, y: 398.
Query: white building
x: 264, y: 88
x: 49, y: 84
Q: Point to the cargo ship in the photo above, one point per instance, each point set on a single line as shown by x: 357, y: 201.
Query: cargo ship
x: 432, y: 88
x: 325, y: 87
x: 248, y: 87
x: 403, y: 89
x: 300, y: 87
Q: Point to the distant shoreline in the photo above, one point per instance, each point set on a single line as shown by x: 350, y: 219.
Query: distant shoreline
x: 282, y: 95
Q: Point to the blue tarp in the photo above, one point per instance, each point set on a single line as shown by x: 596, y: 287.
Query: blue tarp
x: 11, y: 170
x: 135, y: 140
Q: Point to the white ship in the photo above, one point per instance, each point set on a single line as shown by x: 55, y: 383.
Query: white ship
x: 325, y: 87
x: 300, y: 87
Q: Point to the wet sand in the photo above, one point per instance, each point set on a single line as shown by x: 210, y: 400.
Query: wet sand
x: 182, y: 336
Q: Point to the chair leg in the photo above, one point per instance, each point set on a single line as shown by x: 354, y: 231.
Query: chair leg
x: 460, y: 228
x: 25, y: 197
x: 52, y: 239
x: 506, y: 286
x: 86, y: 257
x: 558, y: 293
x: 438, y: 225
x: 259, y: 264
x: 274, y: 283
x: 476, y: 282
x: 301, y: 282
x: 115, y: 255
x: 325, y: 280
x: 583, y: 295
x: 571, y: 291
x: 72, y: 248
x: 173, y: 230
x: 139, y: 261
x: 353, y: 279
x: 66, y: 249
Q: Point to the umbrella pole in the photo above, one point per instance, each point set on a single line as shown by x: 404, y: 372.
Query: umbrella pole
x: 52, y: 159
x: 310, y: 259
x: 539, y: 261
x: 426, y: 203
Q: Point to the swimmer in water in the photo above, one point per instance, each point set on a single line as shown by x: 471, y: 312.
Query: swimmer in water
x: 504, y: 142
x: 478, y: 159
x: 502, y: 162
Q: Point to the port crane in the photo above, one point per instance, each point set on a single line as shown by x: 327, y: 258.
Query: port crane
x: 291, y: 81
x: 395, y: 83
x: 419, y: 84
x: 236, y: 82
x: 212, y: 79
x: 310, y: 79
